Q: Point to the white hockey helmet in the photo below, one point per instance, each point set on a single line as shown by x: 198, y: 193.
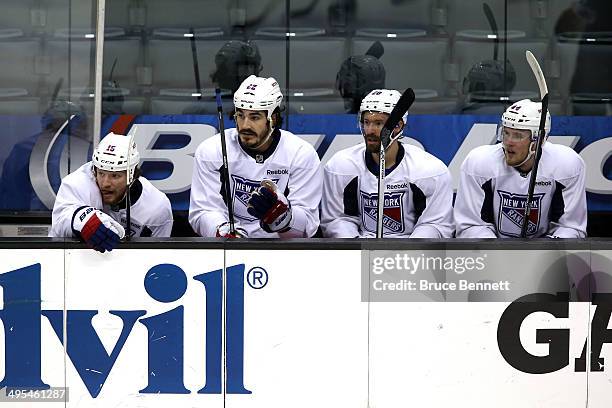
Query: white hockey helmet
x: 381, y: 100
x: 525, y: 115
x: 111, y: 154
x: 259, y: 94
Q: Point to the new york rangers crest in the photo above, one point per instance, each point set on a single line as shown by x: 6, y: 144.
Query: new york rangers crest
x: 242, y: 189
x: 393, y: 216
x: 512, y: 212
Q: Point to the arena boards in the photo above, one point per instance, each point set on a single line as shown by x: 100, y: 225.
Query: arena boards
x: 346, y: 323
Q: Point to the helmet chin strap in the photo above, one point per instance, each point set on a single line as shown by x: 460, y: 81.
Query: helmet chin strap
x: 529, y: 155
x: 398, y: 135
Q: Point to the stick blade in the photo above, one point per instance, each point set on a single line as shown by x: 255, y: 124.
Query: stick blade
x: 537, y: 71
x: 401, y: 107
x: 490, y: 17
x: 403, y: 104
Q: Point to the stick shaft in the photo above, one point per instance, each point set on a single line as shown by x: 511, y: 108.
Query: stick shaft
x: 128, y: 198
x: 381, y: 193
x: 196, y: 67
x: 534, y: 170
x: 402, y: 106
x: 225, y: 174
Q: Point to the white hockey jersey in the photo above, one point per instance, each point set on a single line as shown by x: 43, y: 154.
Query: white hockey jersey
x: 492, y: 196
x: 418, y: 195
x: 290, y: 162
x: 150, y: 214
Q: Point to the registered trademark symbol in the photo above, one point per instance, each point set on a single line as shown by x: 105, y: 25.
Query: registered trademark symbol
x: 257, y: 277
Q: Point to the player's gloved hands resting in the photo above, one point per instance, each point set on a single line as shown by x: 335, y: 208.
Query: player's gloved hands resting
x: 223, y: 231
x: 98, y: 230
x: 271, y: 207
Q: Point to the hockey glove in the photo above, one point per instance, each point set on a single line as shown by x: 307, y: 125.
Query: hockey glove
x: 98, y: 230
x: 223, y: 231
x: 270, y: 207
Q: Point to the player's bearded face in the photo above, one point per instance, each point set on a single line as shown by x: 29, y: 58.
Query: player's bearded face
x: 112, y: 185
x: 371, y: 124
x: 253, y: 127
x: 516, y: 145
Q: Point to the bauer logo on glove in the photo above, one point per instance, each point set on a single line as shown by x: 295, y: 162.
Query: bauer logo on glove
x: 271, y: 207
x: 98, y: 230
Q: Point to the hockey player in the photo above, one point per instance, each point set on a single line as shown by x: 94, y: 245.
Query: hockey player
x: 274, y: 176
x: 494, y: 181
x: 418, y: 192
x: 90, y: 203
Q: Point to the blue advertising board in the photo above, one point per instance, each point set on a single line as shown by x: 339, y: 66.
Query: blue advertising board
x: 33, y: 161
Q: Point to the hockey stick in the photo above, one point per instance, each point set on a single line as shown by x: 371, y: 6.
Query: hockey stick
x: 225, y: 167
x: 128, y: 198
x: 537, y: 71
x: 196, y: 68
x: 402, y: 106
x: 491, y: 18
x: 111, y: 83
x: 493, y: 24
x: 56, y: 90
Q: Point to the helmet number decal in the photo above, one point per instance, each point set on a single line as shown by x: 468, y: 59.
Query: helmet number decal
x: 110, y: 148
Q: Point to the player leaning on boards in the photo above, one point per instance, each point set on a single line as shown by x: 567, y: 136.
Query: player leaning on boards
x: 418, y: 197
x: 275, y: 180
x: 91, y: 201
x: 494, y: 181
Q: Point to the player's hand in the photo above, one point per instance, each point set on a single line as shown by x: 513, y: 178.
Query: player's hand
x: 270, y: 206
x: 98, y: 230
x: 223, y: 231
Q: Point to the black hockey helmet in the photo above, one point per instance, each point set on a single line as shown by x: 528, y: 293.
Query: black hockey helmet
x: 236, y: 61
x: 59, y: 111
x: 486, y: 79
x: 358, y: 76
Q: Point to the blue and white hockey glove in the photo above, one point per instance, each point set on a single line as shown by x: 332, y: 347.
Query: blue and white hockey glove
x: 271, y: 207
x: 98, y: 230
x: 223, y: 231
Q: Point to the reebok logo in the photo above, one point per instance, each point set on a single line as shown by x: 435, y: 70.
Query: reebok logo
x: 277, y: 172
x: 397, y: 186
